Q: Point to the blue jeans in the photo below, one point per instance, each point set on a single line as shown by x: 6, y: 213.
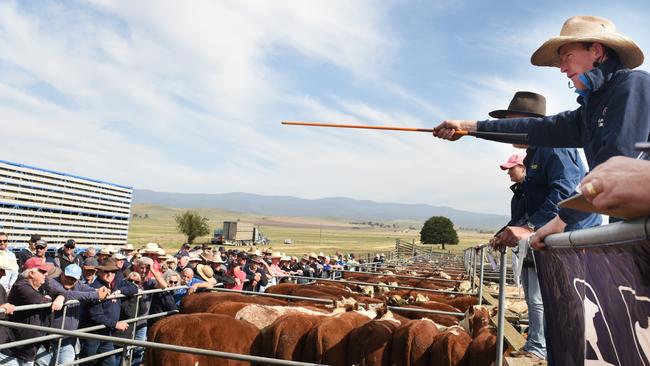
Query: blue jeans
x: 13, y: 361
x: 536, y: 342
x: 67, y: 353
x: 138, y: 352
x: 91, y: 347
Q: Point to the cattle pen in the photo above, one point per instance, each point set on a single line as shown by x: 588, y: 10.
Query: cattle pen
x: 471, y: 267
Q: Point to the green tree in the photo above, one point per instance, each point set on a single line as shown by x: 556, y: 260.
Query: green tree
x: 192, y: 224
x: 438, y: 230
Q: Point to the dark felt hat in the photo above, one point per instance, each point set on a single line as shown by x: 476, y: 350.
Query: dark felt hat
x: 524, y: 102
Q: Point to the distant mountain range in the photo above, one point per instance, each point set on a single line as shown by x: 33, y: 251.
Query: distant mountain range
x: 335, y: 207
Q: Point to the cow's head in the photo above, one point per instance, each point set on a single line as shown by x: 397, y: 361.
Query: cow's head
x: 477, y: 318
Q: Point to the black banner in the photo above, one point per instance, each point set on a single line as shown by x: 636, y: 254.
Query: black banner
x: 597, y: 304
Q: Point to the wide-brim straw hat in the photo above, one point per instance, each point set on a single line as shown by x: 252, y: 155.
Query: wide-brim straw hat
x: 205, y: 271
x: 150, y: 248
x: 313, y: 255
x: 587, y: 28
x: 276, y: 255
x: 128, y: 247
x: 524, y: 103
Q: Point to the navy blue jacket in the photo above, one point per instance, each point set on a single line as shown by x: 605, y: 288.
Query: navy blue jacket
x: 610, y: 120
x: 552, y: 174
x: 108, y: 312
x: 614, y: 116
x: 81, y: 292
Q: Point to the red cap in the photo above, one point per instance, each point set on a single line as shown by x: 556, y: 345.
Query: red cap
x: 38, y: 263
x: 512, y: 161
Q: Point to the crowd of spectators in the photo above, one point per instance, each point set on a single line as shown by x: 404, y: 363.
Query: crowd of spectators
x: 104, y: 282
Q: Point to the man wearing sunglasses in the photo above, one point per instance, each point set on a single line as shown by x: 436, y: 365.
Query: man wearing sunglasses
x: 68, y: 285
x: 10, y: 276
x: 27, y: 291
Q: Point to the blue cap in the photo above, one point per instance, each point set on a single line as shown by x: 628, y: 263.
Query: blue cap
x: 73, y: 270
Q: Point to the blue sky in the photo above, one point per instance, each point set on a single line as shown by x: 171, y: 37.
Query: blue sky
x: 188, y: 96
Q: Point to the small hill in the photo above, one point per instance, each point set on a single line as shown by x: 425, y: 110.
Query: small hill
x: 334, y: 207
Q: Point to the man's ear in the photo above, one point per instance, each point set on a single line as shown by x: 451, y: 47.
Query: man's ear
x: 598, y: 50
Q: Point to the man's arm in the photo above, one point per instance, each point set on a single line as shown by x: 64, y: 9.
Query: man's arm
x: 561, y: 130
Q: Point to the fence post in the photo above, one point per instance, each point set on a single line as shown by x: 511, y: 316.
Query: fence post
x: 502, y: 306
x: 58, y: 347
x: 480, y: 283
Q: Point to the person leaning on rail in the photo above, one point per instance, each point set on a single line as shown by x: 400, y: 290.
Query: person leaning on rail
x: 551, y: 176
x: 27, y: 291
x: 67, y: 287
x: 614, y: 110
x: 106, y: 313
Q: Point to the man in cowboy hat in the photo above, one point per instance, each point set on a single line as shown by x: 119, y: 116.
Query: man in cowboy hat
x: 549, y: 176
x: 614, y: 110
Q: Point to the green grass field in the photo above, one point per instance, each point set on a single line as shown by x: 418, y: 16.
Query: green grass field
x: 308, y: 234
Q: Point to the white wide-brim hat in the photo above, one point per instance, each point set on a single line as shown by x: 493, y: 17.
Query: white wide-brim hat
x: 587, y: 28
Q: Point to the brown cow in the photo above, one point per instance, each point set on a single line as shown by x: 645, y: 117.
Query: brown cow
x: 370, y: 343
x: 282, y: 288
x: 327, y: 341
x: 206, y: 331
x: 285, y: 338
x: 482, y: 350
x: 201, y: 302
x: 446, y: 320
x: 411, y: 343
x: 450, y: 346
x: 463, y: 303
x: 229, y: 308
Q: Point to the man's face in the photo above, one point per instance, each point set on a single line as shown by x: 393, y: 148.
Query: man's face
x: 575, y: 60
x: 517, y: 173
x: 68, y: 251
x: 187, y: 276
x: 89, y: 273
x: 3, y: 242
x: 107, y: 276
x: 38, y: 277
x: 143, y: 269
x: 40, y: 251
x: 119, y: 263
x: 68, y: 282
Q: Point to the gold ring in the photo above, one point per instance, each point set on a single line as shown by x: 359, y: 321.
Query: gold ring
x: 590, y: 188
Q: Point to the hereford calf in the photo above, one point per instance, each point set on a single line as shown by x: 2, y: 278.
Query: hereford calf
x: 206, y: 331
x: 411, y: 343
x: 285, y: 337
x: 201, y: 302
x: 482, y: 350
x: 327, y: 341
x: 370, y: 344
x: 449, y: 347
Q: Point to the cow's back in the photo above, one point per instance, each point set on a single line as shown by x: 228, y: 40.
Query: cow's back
x: 370, y: 344
x: 326, y: 342
x: 285, y: 338
x: 450, y: 347
x: 411, y: 343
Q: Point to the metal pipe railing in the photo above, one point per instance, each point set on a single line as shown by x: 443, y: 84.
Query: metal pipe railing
x: 427, y: 311
x: 502, y: 308
x: 280, y: 296
x: 613, y: 234
x: 387, y: 286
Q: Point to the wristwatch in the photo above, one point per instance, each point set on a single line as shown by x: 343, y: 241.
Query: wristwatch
x: 530, y: 226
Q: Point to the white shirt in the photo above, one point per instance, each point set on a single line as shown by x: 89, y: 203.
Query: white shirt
x: 10, y: 276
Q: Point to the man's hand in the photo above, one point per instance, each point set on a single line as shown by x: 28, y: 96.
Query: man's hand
x: 620, y: 182
x: 258, y: 277
x: 57, y: 304
x: 103, y: 292
x: 446, y: 129
x: 122, y: 326
x: 237, y: 281
x: 556, y: 225
x: 512, y: 234
x: 9, y: 308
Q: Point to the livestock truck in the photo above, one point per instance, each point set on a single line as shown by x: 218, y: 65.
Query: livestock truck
x: 239, y: 233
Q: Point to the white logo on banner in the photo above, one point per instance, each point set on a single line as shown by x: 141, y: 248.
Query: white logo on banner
x: 641, y: 335
x: 593, y: 311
